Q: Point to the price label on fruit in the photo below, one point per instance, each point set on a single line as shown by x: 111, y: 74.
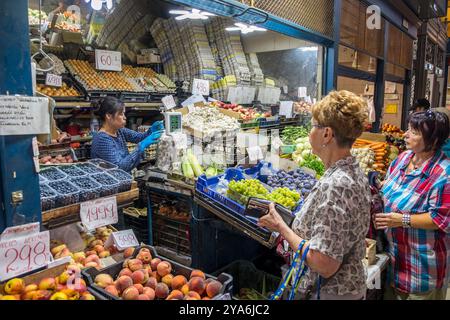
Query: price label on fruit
x: 125, y: 239
x: 99, y: 213
x: 108, y: 60
x: 53, y: 80
x: 23, y: 254
x: 200, y: 87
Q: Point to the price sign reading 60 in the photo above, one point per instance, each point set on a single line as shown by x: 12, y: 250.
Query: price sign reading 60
x: 24, y: 254
x: 99, y: 213
x: 108, y: 60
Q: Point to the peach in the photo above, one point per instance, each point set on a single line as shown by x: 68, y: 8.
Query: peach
x: 28, y: 295
x: 138, y: 276
x: 9, y: 297
x: 144, y: 256
x: 92, y: 264
x: 56, y: 250
x: 149, y: 292
x: 42, y: 295
x: 104, y: 254
x: 213, y: 288
x: 154, y: 263
x: 164, y: 268
x: 175, y: 295
x: 135, y: 264
x: 87, y: 296
x: 130, y: 293
x: 197, y: 284
x: 47, y: 284
x: 64, y: 253
x: 14, y: 286
x: 155, y: 275
x: 206, y: 298
x: 60, y: 287
x: 63, y: 277
x: 125, y: 272
x: 79, y: 257
x: 125, y: 263
x: 148, y: 268
x: 72, y: 269
x: 193, y: 296
x: 151, y: 283
x: 123, y: 283
x: 92, y: 258
x: 144, y: 250
x: 103, y: 280
x: 96, y: 243
x: 90, y: 253
x: 31, y: 287
x: 128, y: 252
x: 178, y: 282
x: 146, y: 276
x: 140, y: 287
x: 71, y: 294
x: 112, y: 290
x: 162, y: 290
x: 143, y: 297
x: 59, y: 296
x: 208, y: 281
x: 185, y: 289
x: 167, y: 279
x: 98, y: 248
x: 197, y: 273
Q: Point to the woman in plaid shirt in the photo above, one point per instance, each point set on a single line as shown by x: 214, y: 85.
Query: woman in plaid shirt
x: 417, y: 212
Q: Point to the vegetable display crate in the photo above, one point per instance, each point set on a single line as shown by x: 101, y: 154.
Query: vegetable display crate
x: 89, y: 275
x: 70, y: 83
x: 250, y: 283
x: 267, y: 123
x: 172, y: 234
x: 250, y: 124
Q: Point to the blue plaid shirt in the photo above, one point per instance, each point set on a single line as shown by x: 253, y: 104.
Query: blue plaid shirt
x: 115, y: 150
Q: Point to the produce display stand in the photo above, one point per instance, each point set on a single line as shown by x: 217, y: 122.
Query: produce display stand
x: 69, y: 214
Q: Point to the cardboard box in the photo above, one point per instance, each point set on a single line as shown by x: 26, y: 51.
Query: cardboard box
x: 148, y: 58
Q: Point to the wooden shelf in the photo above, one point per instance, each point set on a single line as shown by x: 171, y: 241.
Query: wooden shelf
x: 84, y: 104
x: 72, y: 212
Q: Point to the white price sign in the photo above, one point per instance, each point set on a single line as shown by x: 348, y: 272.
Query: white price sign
x: 23, y: 254
x: 255, y: 153
x: 53, y: 80
x: 286, y: 108
x: 302, y: 92
x: 99, y: 213
x: 169, y: 102
x: 200, y: 87
x: 108, y: 60
x: 276, y: 143
x: 125, y: 239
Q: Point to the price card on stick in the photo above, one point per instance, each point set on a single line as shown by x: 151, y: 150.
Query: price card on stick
x: 108, y: 60
x: 99, y: 213
x: 286, y: 108
x: 201, y: 87
x: 53, y: 80
x: 302, y: 92
x: 169, y: 102
x: 123, y: 239
x: 23, y: 253
x: 255, y: 153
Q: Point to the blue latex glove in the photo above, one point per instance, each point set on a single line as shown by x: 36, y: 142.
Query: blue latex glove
x: 151, y: 139
x: 156, y: 126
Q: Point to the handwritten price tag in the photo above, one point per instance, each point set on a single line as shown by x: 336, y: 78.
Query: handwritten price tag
x: 99, y: 213
x: 302, y: 92
x: 125, y: 239
x: 108, y: 60
x: 200, y: 87
x: 169, y: 102
x: 255, y: 153
x: 53, y: 80
x: 24, y: 254
x: 286, y: 108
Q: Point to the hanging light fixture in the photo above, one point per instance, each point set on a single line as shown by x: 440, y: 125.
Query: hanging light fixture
x: 98, y: 4
x: 195, y: 14
x: 244, y: 28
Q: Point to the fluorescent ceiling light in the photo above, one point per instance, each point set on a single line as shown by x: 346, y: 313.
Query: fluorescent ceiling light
x: 304, y: 49
x: 98, y: 4
x: 244, y: 28
x: 195, y: 14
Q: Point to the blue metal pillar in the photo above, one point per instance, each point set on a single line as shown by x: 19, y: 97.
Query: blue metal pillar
x: 17, y: 171
x: 332, y: 52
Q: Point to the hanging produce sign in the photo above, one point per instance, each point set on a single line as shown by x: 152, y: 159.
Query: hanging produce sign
x: 53, y: 80
x: 123, y: 239
x: 108, y: 60
x: 24, y: 115
x: 99, y: 213
x: 23, y: 249
x: 200, y: 87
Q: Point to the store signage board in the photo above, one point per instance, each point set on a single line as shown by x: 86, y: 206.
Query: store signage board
x: 53, y: 80
x: 99, y: 213
x: 108, y: 60
x: 123, y: 239
x: 25, y: 253
x: 286, y: 108
x: 391, y: 108
x: 169, y: 102
x: 200, y: 87
x: 302, y: 92
x: 20, y: 115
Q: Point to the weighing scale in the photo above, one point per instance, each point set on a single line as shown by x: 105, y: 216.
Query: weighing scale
x: 257, y: 208
x: 172, y: 122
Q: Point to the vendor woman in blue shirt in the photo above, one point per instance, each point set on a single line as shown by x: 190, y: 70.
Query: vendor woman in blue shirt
x: 110, y: 142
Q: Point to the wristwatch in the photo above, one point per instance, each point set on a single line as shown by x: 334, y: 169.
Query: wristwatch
x: 406, y: 220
